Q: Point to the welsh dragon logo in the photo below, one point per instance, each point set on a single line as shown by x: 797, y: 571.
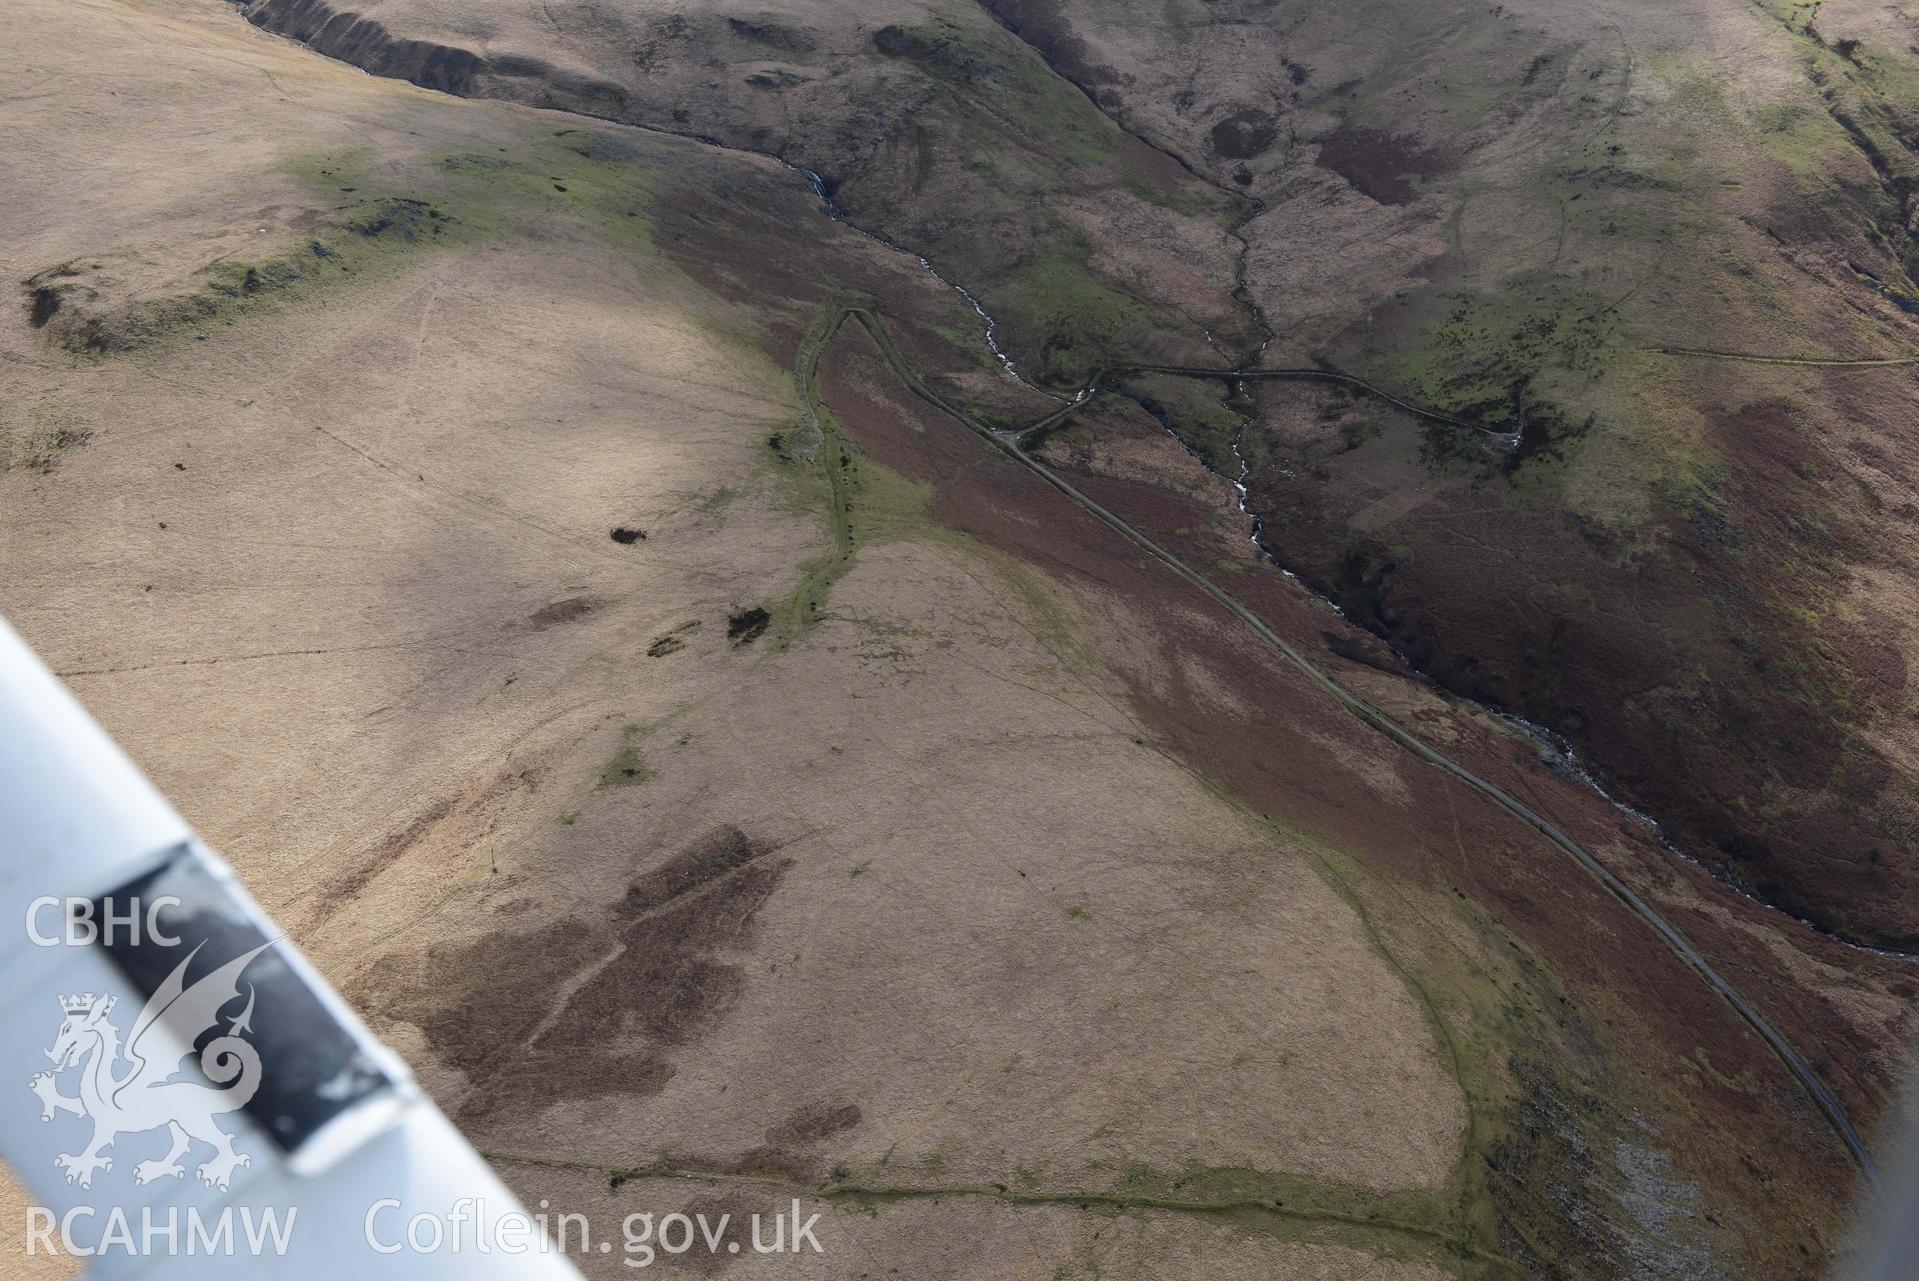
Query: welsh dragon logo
x: 134, y: 1089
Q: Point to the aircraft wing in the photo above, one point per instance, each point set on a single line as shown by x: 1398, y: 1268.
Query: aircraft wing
x: 334, y: 1149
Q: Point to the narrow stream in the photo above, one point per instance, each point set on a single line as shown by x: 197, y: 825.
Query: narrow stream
x: 838, y: 215
x: 1555, y: 752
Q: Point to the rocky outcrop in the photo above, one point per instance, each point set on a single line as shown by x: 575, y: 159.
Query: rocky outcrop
x: 367, y: 44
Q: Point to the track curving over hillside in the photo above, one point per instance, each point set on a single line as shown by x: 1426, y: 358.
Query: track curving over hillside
x: 366, y: 44
x: 1815, y: 1089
